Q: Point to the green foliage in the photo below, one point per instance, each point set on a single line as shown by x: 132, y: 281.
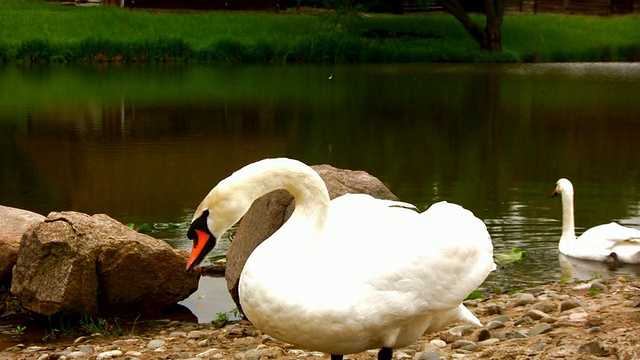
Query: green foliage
x: 18, y: 330
x: 142, y: 228
x: 109, y: 33
x: 100, y: 325
x: 92, y: 326
x: 511, y: 256
x: 475, y: 294
x: 594, y: 291
x: 35, y: 50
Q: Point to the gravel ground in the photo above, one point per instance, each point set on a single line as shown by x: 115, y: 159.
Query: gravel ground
x: 584, y: 320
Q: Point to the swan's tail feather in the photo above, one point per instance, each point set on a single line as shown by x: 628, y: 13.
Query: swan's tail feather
x: 467, y: 316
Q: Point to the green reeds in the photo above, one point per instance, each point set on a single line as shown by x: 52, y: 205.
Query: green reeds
x: 33, y: 31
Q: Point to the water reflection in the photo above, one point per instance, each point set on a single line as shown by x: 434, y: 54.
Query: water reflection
x: 146, y: 143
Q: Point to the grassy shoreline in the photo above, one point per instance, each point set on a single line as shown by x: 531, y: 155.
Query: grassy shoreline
x: 32, y: 31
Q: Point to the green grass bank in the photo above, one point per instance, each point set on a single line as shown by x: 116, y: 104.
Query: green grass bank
x: 37, y: 31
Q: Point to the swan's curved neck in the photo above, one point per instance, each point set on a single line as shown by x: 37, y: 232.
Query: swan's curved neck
x: 568, y: 225
x: 306, y: 186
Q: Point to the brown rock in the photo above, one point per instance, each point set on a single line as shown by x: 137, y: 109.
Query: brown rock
x: 269, y: 212
x: 80, y: 264
x: 569, y: 304
x: 13, y: 223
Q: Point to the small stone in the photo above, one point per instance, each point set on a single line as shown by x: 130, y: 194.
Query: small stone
x: 207, y: 353
x: 80, y: 339
x: 494, y: 325
x: 579, y: 316
x: 438, y: 343
x: 593, y: 347
x: 535, y: 314
x: 427, y: 355
x: 569, y: 304
x: 34, y: 348
x: 517, y: 334
x: 594, y: 321
x: 549, y: 320
x: 86, y: 349
x: 75, y: 355
x: 524, y: 320
x: 493, y: 309
x: 44, y: 357
x: 172, y: 324
x: 266, y: 339
x: 545, y: 306
x: 156, y: 343
x: 598, y: 286
x: 463, y: 329
x: 594, y: 329
x: 502, y: 319
x: 450, y: 336
x: 463, y: 343
x: 539, y: 328
x: 178, y: 334
x: 132, y: 353
x: 489, y: 341
x: 196, y: 334
x: 203, y: 343
x: 109, y: 354
x: 540, y: 346
x: 483, y: 334
x: 268, y: 352
x: 524, y: 299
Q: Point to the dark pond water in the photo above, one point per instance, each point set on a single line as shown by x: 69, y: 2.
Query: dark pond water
x: 144, y: 144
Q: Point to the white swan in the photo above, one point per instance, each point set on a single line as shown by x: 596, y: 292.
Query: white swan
x: 600, y: 243
x: 351, y: 274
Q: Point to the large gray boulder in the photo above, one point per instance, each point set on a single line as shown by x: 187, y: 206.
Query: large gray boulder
x: 13, y: 223
x: 268, y: 213
x: 77, y: 264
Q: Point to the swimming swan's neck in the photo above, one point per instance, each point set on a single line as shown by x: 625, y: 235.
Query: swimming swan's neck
x: 568, y: 226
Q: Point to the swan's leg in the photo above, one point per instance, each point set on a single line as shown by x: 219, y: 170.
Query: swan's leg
x: 385, y: 353
x: 616, y: 262
x: 336, y: 357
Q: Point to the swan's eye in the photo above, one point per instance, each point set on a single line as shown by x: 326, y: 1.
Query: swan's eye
x: 198, y: 224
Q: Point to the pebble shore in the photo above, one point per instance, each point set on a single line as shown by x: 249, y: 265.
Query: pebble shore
x: 599, y: 319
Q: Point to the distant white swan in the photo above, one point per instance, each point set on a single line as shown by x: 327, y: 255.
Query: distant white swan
x: 600, y: 243
x: 351, y: 274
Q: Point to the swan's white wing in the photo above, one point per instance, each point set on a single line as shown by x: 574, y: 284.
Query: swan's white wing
x: 613, y: 233
x: 598, y: 242
x: 428, y: 261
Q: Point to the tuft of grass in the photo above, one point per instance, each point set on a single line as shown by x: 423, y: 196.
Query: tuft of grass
x: 475, y: 294
x: 18, y: 330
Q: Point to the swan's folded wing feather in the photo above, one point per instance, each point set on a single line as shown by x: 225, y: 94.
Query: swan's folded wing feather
x: 612, y: 233
x: 437, y: 258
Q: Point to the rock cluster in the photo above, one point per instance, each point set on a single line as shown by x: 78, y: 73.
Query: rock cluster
x: 13, y: 223
x: 77, y: 264
x: 567, y: 321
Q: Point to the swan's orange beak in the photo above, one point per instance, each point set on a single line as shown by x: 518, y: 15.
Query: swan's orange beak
x: 554, y: 193
x: 198, y: 247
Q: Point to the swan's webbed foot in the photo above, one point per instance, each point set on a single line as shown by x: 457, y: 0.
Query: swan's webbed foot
x: 336, y: 357
x: 385, y: 353
x: 616, y: 263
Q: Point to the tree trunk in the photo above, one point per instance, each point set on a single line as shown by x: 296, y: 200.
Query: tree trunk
x: 489, y: 38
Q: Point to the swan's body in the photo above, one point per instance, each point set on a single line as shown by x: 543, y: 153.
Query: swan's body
x: 599, y: 243
x: 351, y: 274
